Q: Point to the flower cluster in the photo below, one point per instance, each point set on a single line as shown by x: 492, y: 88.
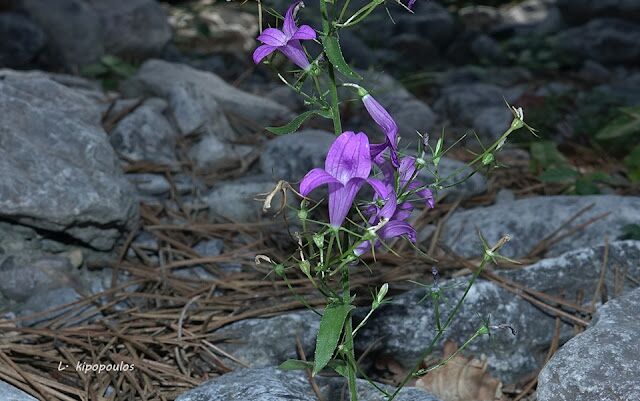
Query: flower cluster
x: 349, y: 165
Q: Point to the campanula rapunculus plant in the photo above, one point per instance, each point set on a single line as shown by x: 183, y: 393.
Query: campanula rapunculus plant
x: 328, y: 251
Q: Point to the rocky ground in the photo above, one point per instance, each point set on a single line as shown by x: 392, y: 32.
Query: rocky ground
x: 132, y: 149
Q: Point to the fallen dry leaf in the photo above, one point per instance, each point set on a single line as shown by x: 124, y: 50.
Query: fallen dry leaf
x: 461, y: 379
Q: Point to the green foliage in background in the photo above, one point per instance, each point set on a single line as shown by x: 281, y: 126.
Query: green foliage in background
x: 110, y: 71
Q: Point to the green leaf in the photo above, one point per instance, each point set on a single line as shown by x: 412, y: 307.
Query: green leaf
x: 340, y: 367
x: 334, y: 54
x: 559, y: 175
x: 545, y: 154
x: 632, y: 162
x: 331, y: 325
x: 585, y: 186
x: 630, y: 231
x: 623, y: 125
x: 293, y: 125
x: 295, y: 364
x: 94, y: 70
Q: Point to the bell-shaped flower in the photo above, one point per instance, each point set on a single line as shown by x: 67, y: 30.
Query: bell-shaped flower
x: 388, y: 126
x: 286, y: 41
x: 346, y: 169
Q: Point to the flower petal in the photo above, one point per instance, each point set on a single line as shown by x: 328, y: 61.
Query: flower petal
x: 403, y: 211
x: 314, y: 178
x: 341, y: 198
x: 294, y: 52
x: 396, y: 228
x: 289, y: 26
x: 406, y: 169
x: 349, y: 157
x: 305, y: 32
x: 262, y: 52
x: 386, y: 122
x: 273, y: 37
x: 427, y: 196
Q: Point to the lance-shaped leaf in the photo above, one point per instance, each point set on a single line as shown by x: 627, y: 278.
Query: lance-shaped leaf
x: 295, y: 364
x: 331, y: 326
x: 293, y: 125
x: 332, y: 49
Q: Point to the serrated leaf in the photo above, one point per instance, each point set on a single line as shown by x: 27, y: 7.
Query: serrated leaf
x: 331, y: 326
x: 295, y: 364
x: 332, y: 49
x: 559, y: 175
x: 293, y: 125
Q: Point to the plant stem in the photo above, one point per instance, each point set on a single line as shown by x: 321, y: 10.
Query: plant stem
x: 441, y: 332
x: 333, y: 91
x: 348, y: 334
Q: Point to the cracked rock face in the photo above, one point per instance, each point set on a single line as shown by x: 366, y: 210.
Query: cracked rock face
x: 60, y: 175
x: 602, y: 363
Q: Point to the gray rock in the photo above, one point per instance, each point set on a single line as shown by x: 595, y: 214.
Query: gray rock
x: 580, y: 11
x: 479, y: 105
x: 430, y: 21
x: 212, y: 247
x: 475, y: 185
x: 196, y: 110
x: 267, y: 342
x: 179, y: 83
x: 290, y: 157
x: 10, y: 393
x: 24, y: 276
x: 236, y: 200
x: 146, y: 135
x: 271, y: 384
x: 73, y: 28
x: 213, y: 153
x: 405, y: 326
x: 487, y: 49
x: 60, y: 173
x: 134, y: 29
x: 538, y: 17
x: 600, y: 364
x: 605, y: 40
x: 22, y: 40
x: 80, y: 32
x: 528, y: 221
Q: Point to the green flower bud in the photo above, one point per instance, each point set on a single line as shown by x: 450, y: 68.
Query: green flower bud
x: 318, y: 240
x: 279, y: 269
x: 305, y: 267
x: 488, y: 159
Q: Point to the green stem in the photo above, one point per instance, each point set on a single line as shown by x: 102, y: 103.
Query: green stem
x: 348, y: 343
x: 440, y: 333
x: 333, y: 90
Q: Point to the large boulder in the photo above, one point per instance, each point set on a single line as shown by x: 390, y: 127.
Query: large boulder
x: 529, y: 221
x: 602, y: 362
x: 202, y: 92
x: 271, y: 384
x: 80, y: 32
x: 60, y: 174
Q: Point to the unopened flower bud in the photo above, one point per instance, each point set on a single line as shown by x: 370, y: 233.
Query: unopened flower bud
x: 381, y: 294
x: 318, y: 240
x: 305, y: 267
x: 303, y: 214
x: 488, y: 159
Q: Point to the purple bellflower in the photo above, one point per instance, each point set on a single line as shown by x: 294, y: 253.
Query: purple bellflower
x: 410, y: 4
x: 346, y: 169
x: 387, y: 205
x: 286, y: 41
x: 388, y: 126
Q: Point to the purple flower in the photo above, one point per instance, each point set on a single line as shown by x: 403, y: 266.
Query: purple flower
x: 346, y: 169
x: 410, y: 4
x: 286, y: 41
x: 389, y: 127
